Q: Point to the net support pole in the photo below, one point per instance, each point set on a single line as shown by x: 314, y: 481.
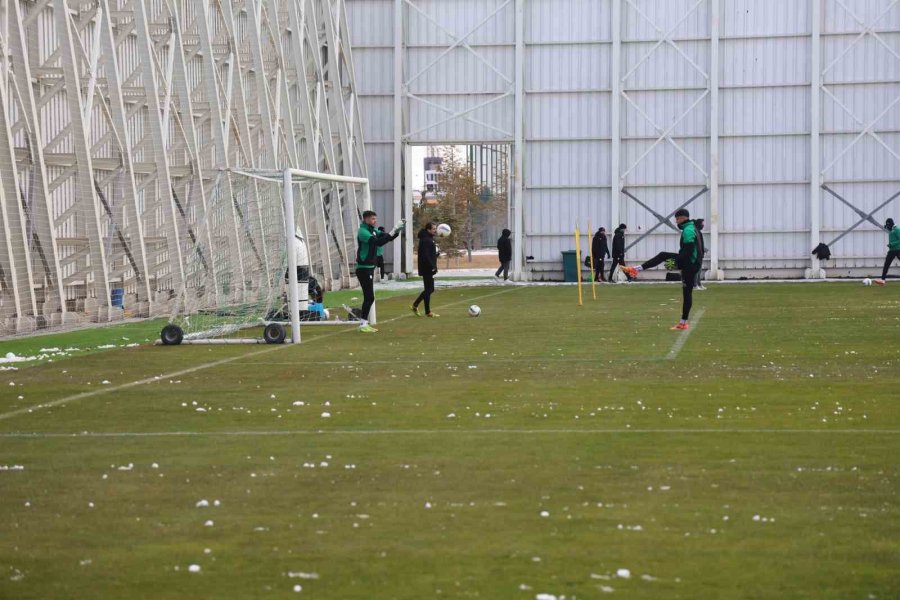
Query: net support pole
x: 578, y: 264
x: 290, y: 227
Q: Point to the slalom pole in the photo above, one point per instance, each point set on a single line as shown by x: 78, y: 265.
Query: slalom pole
x: 593, y: 268
x: 578, y: 264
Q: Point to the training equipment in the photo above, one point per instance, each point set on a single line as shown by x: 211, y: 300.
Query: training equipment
x: 266, y: 233
x: 443, y: 230
x: 867, y: 282
x: 474, y: 310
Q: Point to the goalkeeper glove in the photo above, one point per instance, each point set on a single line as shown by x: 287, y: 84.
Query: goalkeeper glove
x: 400, y: 226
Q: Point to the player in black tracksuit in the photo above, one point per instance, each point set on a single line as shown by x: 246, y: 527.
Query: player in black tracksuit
x: 618, y: 249
x: 599, y: 249
x: 427, y: 268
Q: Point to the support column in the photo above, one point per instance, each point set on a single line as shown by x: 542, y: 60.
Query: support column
x: 714, y: 272
x: 518, y: 173
x: 398, y: 133
x: 615, y: 116
x: 409, y: 233
x: 815, y: 148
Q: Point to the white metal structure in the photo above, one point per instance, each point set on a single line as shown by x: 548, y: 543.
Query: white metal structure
x: 776, y: 120
x: 119, y: 118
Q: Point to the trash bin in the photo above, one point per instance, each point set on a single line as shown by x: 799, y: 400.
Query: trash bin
x: 570, y: 266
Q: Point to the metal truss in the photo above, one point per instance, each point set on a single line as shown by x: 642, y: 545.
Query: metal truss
x: 664, y: 134
x: 864, y: 128
x: 121, y: 119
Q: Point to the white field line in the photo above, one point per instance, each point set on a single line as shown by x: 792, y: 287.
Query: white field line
x: 414, y: 432
x: 217, y: 363
x: 683, y: 337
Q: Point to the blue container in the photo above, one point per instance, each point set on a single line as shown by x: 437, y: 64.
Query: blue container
x: 117, y: 297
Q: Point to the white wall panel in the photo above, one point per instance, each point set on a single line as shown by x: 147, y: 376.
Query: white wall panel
x: 751, y: 62
x: 665, y: 108
x: 652, y: 16
x: 665, y: 67
x: 765, y: 159
x: 566, y: 67
x: 567, y: 116
x: 868, y: 59
x: 570, y: 163
x: 765, y: 111
x: 665, y: 165
x: 460, y: 17
x: 566, y: 20
x: 765, y: 17
x: 460, y: 70
x: 424, y: 117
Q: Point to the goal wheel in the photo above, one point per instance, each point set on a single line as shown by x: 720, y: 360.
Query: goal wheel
x: 171, y: 335
x: 274, y: 333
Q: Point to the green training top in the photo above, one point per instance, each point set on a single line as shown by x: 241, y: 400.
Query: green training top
x: 894, y: 238
x: 689, y: 238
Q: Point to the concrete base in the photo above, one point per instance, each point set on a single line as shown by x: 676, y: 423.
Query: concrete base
x: 814, y: 274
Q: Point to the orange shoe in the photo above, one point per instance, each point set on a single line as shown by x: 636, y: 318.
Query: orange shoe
x: 681, y: 326
x: 630, y: 271
x: 880, y: 282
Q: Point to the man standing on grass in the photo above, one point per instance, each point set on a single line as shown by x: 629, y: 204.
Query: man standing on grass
x: 371, y: 246
x: 504, y: 252
x: 688, y: 260
x: 618, y: 249
x: 427, y: 268
x: 599, y: 250
x: 893, y: 249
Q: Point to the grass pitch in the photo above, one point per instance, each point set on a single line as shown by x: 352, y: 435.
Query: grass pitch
x: 542, y: 448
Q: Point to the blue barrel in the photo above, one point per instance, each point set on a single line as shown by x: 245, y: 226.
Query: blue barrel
x: 117, y: 297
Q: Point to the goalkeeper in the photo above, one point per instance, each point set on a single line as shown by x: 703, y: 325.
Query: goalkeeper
x: 371, y: 246
x: 688, y: 259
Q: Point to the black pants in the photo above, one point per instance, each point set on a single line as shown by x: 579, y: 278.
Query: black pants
x: 598, y: 269
x: 379, y: 264
x: 888, y: 260
x: 366, y: 279
x: 425, y: 296
x: 688, y: 279
x: 616, y: 261
x: 504, y: 268
x: 658, y: 259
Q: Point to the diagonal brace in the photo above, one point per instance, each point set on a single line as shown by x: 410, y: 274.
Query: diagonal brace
x: 662, y: 220
x: 865, y: 217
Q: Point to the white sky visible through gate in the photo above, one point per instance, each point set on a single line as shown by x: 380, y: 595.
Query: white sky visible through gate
x: 748, y: 107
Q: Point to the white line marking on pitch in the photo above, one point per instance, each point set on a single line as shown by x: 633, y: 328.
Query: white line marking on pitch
x: 683, y: 337
x: 224, y: 361
x: 385, y: 432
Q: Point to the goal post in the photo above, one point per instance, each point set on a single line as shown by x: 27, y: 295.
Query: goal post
x: 268, y: 242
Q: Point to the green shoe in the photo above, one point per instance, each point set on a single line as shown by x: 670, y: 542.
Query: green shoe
x: 415, y: 310
x: 367, y: 329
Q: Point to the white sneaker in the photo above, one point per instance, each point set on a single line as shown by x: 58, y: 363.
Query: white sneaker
x: 700, y: 287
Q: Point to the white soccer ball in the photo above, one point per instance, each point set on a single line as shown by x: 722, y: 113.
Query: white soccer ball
x: 867, y: 282
x: 443, y: 230
x: 474, y: 310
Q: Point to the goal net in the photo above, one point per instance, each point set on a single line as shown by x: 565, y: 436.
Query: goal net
x: 270, y: 245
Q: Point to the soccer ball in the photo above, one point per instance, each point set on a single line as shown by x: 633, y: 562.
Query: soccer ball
x: 867, y: 282
x: 443, y: 230
x: 474, y: 310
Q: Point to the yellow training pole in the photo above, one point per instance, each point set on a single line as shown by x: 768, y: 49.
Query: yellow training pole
x: 578, y: 264
x: 593, y: 268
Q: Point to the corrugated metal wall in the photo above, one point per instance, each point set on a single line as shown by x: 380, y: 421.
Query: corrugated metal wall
x: 765, y: 188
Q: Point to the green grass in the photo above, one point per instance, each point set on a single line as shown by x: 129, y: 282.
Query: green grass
x: 758, y: 463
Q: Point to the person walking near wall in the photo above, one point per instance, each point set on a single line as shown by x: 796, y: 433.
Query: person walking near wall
x: 427, y: 268
x: 504, y: 252
x: 599, y: 250
x: 618, y: 249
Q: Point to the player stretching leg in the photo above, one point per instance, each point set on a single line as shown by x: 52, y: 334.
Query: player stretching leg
x: 688, y: 260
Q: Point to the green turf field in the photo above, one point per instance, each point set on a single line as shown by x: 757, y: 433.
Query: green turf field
x: 537, y: 450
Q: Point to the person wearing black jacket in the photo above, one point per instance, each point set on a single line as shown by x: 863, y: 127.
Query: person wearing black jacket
x: 618, y: 249
x: 701, y: 245
x: 427, y: 268
x: 504, y: 250
x: 379, y: 260
x: 599, y: 250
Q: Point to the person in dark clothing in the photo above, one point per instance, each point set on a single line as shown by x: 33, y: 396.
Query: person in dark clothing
x: 371, y: 244
x: 599, y: 250
x: 688, y: 260
x: 618, y: 249
x: 504, y: 252
x: 699, y: 224
x: 379, y: 260
x: 427, y: 268
x: 893, y: 249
